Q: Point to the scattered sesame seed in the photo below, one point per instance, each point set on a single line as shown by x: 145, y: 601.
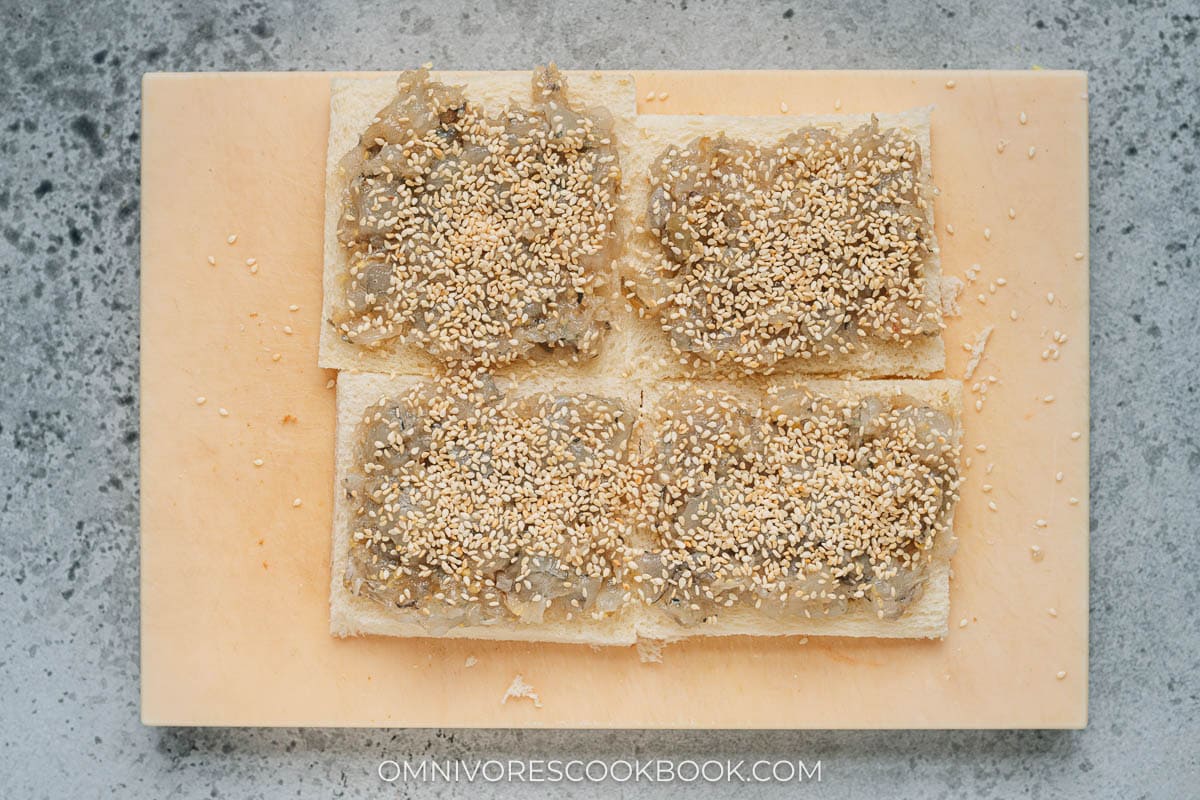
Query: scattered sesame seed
x: 837, y: 104
x: 1048, y: 398
x: 987, y: 487
x: 223, y: 412
x: 232, y: 238
x: 288, y: 330
x: 1075, y: 435
x: 276, y: 356
x: 649, y: 97
x: 783, y: 108
x: 1000, y: 145
x: 1021, y: 118
x: 1050, y: 297
x: 949, y: 229
x: 1052, y: 612
x: 1058, y: 476
x: 1035, y: 552
x: 1073, y: 501
x: 982, y: 298
x: 1012, y: 213
x: 258, y: 462
x: 1002, y: 281
x: 987, y: 234
x: 200, y: 400
x: 662, y: 96
x: 1079, y: 256
x: 1041, y: 523
x: 297, y: 503
x: 250, y: 262
x: 992, y: 505
x: 293, y: 307
x: 962, y: 623
x: 254, y: 269
x: 1032, y: 152
x: 981, y: 448
x: 950, y: 84
x: 1061, y: 674
x: 212, y: 260
x: 1012, y: 314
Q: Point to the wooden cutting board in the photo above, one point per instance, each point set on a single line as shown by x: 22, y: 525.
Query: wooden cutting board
x: 235, y: 557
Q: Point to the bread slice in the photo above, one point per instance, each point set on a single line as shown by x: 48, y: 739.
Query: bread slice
x: 354, y: 102
x: 647, y: 346
x: 353, y: 615
x: 926, y: 617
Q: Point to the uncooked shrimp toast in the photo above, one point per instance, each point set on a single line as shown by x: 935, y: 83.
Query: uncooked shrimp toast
x: 470, y: 219
x: 790, y: 245
x: 602, y: 512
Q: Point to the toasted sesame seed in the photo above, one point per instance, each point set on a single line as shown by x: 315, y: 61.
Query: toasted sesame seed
x: 1012, y: 314
x: 1052, y: 612
x: 1075, y: 435
x: 1073, y: 501
x: 276, y: 356
x: 1022, y: 118
x: 1000, y: 145
x: 223, y: 412
x: 254, y: 269
x: 981, y: 448
x: 1050, y: 297
x: 987, y: 487
x: 212, y: 260
x: 783, y: 108
x: 297, y: 503
x: 837, y: 104
x: 250, y: 262
x: 288, y: 330
x: 992, y: 505
x: 258, y: 462
x: 649, y: 97
x: 1061, y: 674
x: 1041, y: 523
x: 1012, y: 213
x: 949, y: 229
x: 1058, y: 476
x: 329, y: 384
x: 1032, y: 152
x: 1048, y: 398
x: 1035, y: 552
x: 662, y: 96
x: 987, y: 234
x: 232, y: 238
x: 962, y: 623
x: 950, y: 84
x: 200, y: 400
x: 293, y: 307
x: 1079, y: 256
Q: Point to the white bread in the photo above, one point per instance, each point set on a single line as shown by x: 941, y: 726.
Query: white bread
x: 354, y: 103
x: 353, y: 615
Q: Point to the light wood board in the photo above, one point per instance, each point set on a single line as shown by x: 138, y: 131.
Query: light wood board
x: 235, y: 577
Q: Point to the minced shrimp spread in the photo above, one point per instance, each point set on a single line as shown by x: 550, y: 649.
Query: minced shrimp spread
x: 480, y: 238
x: 806, y: 248
x: 473, y: 507
x: 802, y: 507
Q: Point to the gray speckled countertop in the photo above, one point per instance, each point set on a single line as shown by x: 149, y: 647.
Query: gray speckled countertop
x: 69, y: 105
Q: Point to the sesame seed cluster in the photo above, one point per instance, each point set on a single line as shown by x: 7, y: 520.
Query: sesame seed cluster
x: 798, y: 504
x: 473, y: 506
x: 480, y: 239
x: 807, y: 248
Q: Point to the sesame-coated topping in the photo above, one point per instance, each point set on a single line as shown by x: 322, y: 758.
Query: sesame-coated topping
x: 472, y: 506
x: 800, y: 505
x: 805, y: 248
x: 479, y: 238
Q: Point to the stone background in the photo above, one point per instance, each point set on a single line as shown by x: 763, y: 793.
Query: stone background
x: 69, y: 121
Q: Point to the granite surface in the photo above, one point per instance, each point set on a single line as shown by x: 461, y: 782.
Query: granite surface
x: 69, y: 121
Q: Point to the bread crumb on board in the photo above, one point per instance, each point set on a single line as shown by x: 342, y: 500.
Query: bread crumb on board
x: 650, y: 650
x: 977, y: 351
x: 519, y: 689
x: 952, y: 287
